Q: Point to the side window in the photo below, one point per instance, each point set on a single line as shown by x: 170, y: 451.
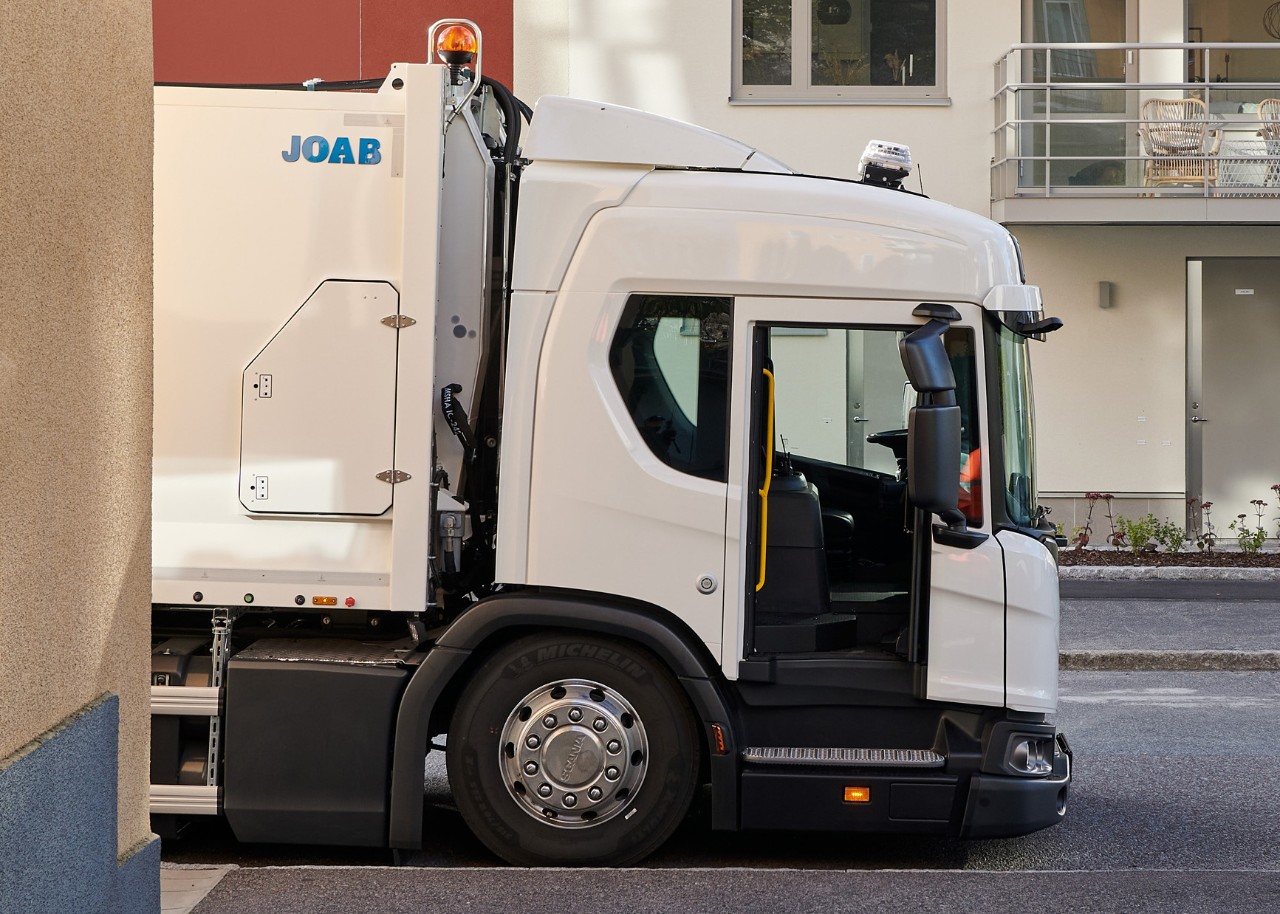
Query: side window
x: 670, y: 360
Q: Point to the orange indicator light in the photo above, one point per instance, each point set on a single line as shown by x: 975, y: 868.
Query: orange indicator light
x: 857, y: 794
x: 717, y: 733
x: 456, y: 45
x: 324, y: 601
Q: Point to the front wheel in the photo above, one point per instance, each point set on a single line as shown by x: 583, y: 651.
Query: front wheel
x: 573, y: 749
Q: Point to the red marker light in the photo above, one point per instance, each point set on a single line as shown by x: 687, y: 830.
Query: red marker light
x: 350, y: 601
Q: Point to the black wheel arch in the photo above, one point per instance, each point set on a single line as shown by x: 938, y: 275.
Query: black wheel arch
x: 501, y: 618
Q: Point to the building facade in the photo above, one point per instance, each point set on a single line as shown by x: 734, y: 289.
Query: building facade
x: 288, y: 41
x: 75, y: 411
x: 1165, y: 268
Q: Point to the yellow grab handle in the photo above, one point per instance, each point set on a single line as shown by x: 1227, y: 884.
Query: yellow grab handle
x: 768, y: 478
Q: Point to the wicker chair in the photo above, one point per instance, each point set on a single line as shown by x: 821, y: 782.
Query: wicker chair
x: 1269, y: 116
x: 1178, y: 143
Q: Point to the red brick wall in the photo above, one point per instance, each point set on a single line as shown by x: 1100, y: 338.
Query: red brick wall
x: 252, y: 41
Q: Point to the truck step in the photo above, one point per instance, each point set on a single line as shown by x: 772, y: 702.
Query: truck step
x: 844, y: 758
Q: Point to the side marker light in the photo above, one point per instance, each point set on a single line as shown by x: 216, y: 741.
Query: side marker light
x: 857, y: 794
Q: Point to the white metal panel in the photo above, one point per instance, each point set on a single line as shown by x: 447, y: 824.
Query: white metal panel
x: 966, y: 625
x: 242, y: 236
x: 976, y: 253
x: 424, y: 155
x: 530, y: 312
x: 318, y: 421
x: 556, y: 203
x: 605, y: 515
x: 1031, y: 665
x: 580, y: 130
x: 704, y: 250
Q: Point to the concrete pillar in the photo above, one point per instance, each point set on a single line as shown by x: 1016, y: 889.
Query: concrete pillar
x: 75, y: 457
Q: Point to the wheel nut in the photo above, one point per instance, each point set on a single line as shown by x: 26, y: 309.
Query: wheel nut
x: 570, y: 800
x: 550, y: 721
x: 533, y: 742
x: 595, y: 793
x: 544, y: 790
x: 530, y: 767
x: 611, y: 773
x: 599, y: 725
x: 575, y: 714
x: 614, y: 747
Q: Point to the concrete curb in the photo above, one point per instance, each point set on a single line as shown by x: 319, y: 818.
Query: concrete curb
x: 1162, y: 573
x: 1185, y: 661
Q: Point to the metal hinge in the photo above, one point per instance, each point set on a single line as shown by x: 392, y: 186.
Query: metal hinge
x: 393, y: 476
x: 398, y: 321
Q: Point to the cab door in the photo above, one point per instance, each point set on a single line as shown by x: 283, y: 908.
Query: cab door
x: 828, y: 558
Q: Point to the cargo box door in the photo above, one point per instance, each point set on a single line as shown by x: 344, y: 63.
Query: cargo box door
x: 318, y: 406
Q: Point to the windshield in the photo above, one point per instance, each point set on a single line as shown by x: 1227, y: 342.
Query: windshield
x: 1018, y: 428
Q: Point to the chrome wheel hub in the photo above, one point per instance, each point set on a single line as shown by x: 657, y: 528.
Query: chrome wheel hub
x: 573, y: 753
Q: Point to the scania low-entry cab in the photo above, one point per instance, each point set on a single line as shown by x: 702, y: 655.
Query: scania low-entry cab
x: 613, y: 461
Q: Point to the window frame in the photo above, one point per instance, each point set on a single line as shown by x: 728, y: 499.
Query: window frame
x: 801, y: 91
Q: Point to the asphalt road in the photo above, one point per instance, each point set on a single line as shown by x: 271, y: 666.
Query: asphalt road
x: 1172, y: 810
x: 1156, y: 615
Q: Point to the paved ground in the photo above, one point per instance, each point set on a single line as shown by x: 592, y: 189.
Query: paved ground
x: 1177, y: 776
x: 1171, y: 811
x: 1170, y: 624
x: 343, y: 891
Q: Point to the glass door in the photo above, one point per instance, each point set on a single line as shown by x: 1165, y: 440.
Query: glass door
x: 1086, y: 131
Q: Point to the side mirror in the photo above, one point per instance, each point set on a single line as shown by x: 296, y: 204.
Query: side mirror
x: 933, y: 425
x: 933, y: 455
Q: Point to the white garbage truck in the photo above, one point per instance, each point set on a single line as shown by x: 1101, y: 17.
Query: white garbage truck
x: 610, y: 457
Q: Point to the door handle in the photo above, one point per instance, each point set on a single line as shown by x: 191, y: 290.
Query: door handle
x: 858, y: 419
x: 1198, y: 419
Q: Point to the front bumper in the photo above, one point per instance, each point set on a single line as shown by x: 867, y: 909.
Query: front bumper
x: 1002, y: 807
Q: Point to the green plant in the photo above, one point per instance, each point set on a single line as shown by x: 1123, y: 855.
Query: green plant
x: 1138, y: 532
x: 1250, y: 539
x: 1171, y: 537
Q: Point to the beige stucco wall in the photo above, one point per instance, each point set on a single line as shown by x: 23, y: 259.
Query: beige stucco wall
x: 1112, y: 378
x: 674, y: 58
x: 75, y: 369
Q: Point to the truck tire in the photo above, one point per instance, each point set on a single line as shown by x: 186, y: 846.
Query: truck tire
x: 573, y: 749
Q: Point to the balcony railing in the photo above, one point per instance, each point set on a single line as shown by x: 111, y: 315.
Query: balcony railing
x: 1073, y: 123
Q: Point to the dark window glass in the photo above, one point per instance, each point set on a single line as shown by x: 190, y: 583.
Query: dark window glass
x: 670, y: 360
x: 766, y: 42
x: 874, y: 42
